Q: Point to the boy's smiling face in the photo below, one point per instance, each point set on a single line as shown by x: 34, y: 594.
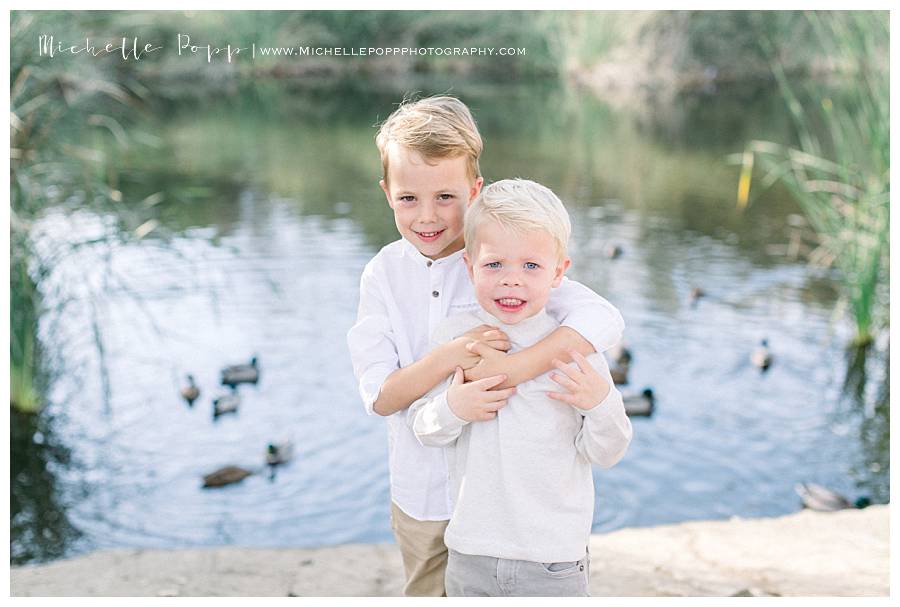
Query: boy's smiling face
x: 429, y: 199
x: 513, y: 271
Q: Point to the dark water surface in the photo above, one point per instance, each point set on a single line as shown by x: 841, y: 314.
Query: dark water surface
x: 272, y: 208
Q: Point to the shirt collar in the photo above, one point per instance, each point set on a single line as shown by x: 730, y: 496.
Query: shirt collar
x: 413, y: 253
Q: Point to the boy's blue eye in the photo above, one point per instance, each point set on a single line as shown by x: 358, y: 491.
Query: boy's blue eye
x: 407, y: 198
x: 445, y: 196
x: 493, y: 265
x: 530, y: 265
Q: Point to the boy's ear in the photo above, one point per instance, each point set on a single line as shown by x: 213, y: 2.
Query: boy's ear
x: 475, y: 190
x: 468, y: 265
x: 387, y: 192
x: 560, y: 271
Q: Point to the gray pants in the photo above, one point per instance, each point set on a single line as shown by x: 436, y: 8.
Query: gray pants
x: 472, y: 575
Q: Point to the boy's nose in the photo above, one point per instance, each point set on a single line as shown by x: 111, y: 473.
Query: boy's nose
x: 427, y: 212
x: 511, y: 279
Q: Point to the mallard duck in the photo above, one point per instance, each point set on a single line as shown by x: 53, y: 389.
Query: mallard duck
x: 696, y: 293
x: 190, y: 392
x: 613, y: 251
x: 619, y: 375
x: 761, y: 357
x: 241, y: 374
x: 621, y: 355
x: 817, y: 497
x: 639, y: 405
x: 279, y: 453
x: 225, y: 476
x: 226, y: 403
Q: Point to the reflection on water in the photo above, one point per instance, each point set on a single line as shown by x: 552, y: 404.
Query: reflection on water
x: 39, y: 527
x: 271, y: 208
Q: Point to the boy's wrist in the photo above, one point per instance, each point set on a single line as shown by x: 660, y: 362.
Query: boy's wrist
x: 449, y: 408
x: 522, y: 366
x: 602, y: 409
x: 517, y: 366
x: 441, y: 360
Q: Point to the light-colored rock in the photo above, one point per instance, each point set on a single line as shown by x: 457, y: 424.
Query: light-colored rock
x: 842, y: 553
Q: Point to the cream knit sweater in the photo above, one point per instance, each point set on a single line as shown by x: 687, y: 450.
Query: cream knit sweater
x: 522, y: 483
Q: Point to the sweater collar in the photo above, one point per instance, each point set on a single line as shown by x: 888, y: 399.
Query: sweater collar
x: 526, y: 330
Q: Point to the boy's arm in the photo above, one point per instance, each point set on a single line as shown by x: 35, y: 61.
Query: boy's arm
x: 402, y: 387
x: 409, y: 383
x: 371, y: 341
x: 386, y: 387
x: 589, y: 324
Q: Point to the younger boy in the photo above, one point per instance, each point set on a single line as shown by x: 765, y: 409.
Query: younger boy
x: 521, y: 471
x: 429, y: 152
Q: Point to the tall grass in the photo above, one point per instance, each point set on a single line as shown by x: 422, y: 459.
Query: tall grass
x: 52, y: 105
x: 839, y: 170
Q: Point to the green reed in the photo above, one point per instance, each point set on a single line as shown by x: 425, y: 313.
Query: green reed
x: 53, y: 104
x: 839, y: 170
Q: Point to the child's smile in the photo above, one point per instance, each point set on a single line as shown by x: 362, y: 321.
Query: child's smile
x: 510, y: 304
x: 429, y: 236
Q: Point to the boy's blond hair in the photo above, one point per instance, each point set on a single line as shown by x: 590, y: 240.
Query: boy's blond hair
x: 520, y: 205
x: 435, y: 127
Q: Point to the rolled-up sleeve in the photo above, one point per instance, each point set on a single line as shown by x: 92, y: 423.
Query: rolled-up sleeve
x: 371, y: 341
x: 575, y: 306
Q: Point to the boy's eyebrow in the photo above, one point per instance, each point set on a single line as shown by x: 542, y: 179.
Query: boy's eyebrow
x: 436, y: 191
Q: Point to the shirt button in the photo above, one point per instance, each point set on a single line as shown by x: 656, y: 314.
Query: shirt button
x: 434, y: 293
x: 429, y: 262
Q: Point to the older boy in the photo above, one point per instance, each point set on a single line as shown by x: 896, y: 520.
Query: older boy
x: 521, y: 472
x: 429, y: 152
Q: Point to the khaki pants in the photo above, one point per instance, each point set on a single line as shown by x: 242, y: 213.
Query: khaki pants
x: 423, y: 551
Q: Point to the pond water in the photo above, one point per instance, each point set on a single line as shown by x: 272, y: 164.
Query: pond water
x: 270, y: 210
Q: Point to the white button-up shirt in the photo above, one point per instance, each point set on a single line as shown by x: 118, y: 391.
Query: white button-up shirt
x: 403, y: 297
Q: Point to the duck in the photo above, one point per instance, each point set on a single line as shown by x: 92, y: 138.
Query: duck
x: 241, y: 374
x: 279, y: 453
x: 190, y: 392
x: 639, y: 405
x: 621, y: 355
x: 226, y: 403
x: 817, y: 497
x: 619, y: 375
x: 696, y: 294
x: 226, y: 476
x: 614, y: 251
x: 761, y: 357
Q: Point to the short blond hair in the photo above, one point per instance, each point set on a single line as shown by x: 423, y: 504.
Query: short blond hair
x: 520, y: 205
x: 435, y: 127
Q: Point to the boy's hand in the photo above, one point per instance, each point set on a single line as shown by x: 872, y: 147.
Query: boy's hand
x: 490, y: 335
x: 475, y: 401
x: 585, y: 386
x: 491, y: 363
x: 461, y: 356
